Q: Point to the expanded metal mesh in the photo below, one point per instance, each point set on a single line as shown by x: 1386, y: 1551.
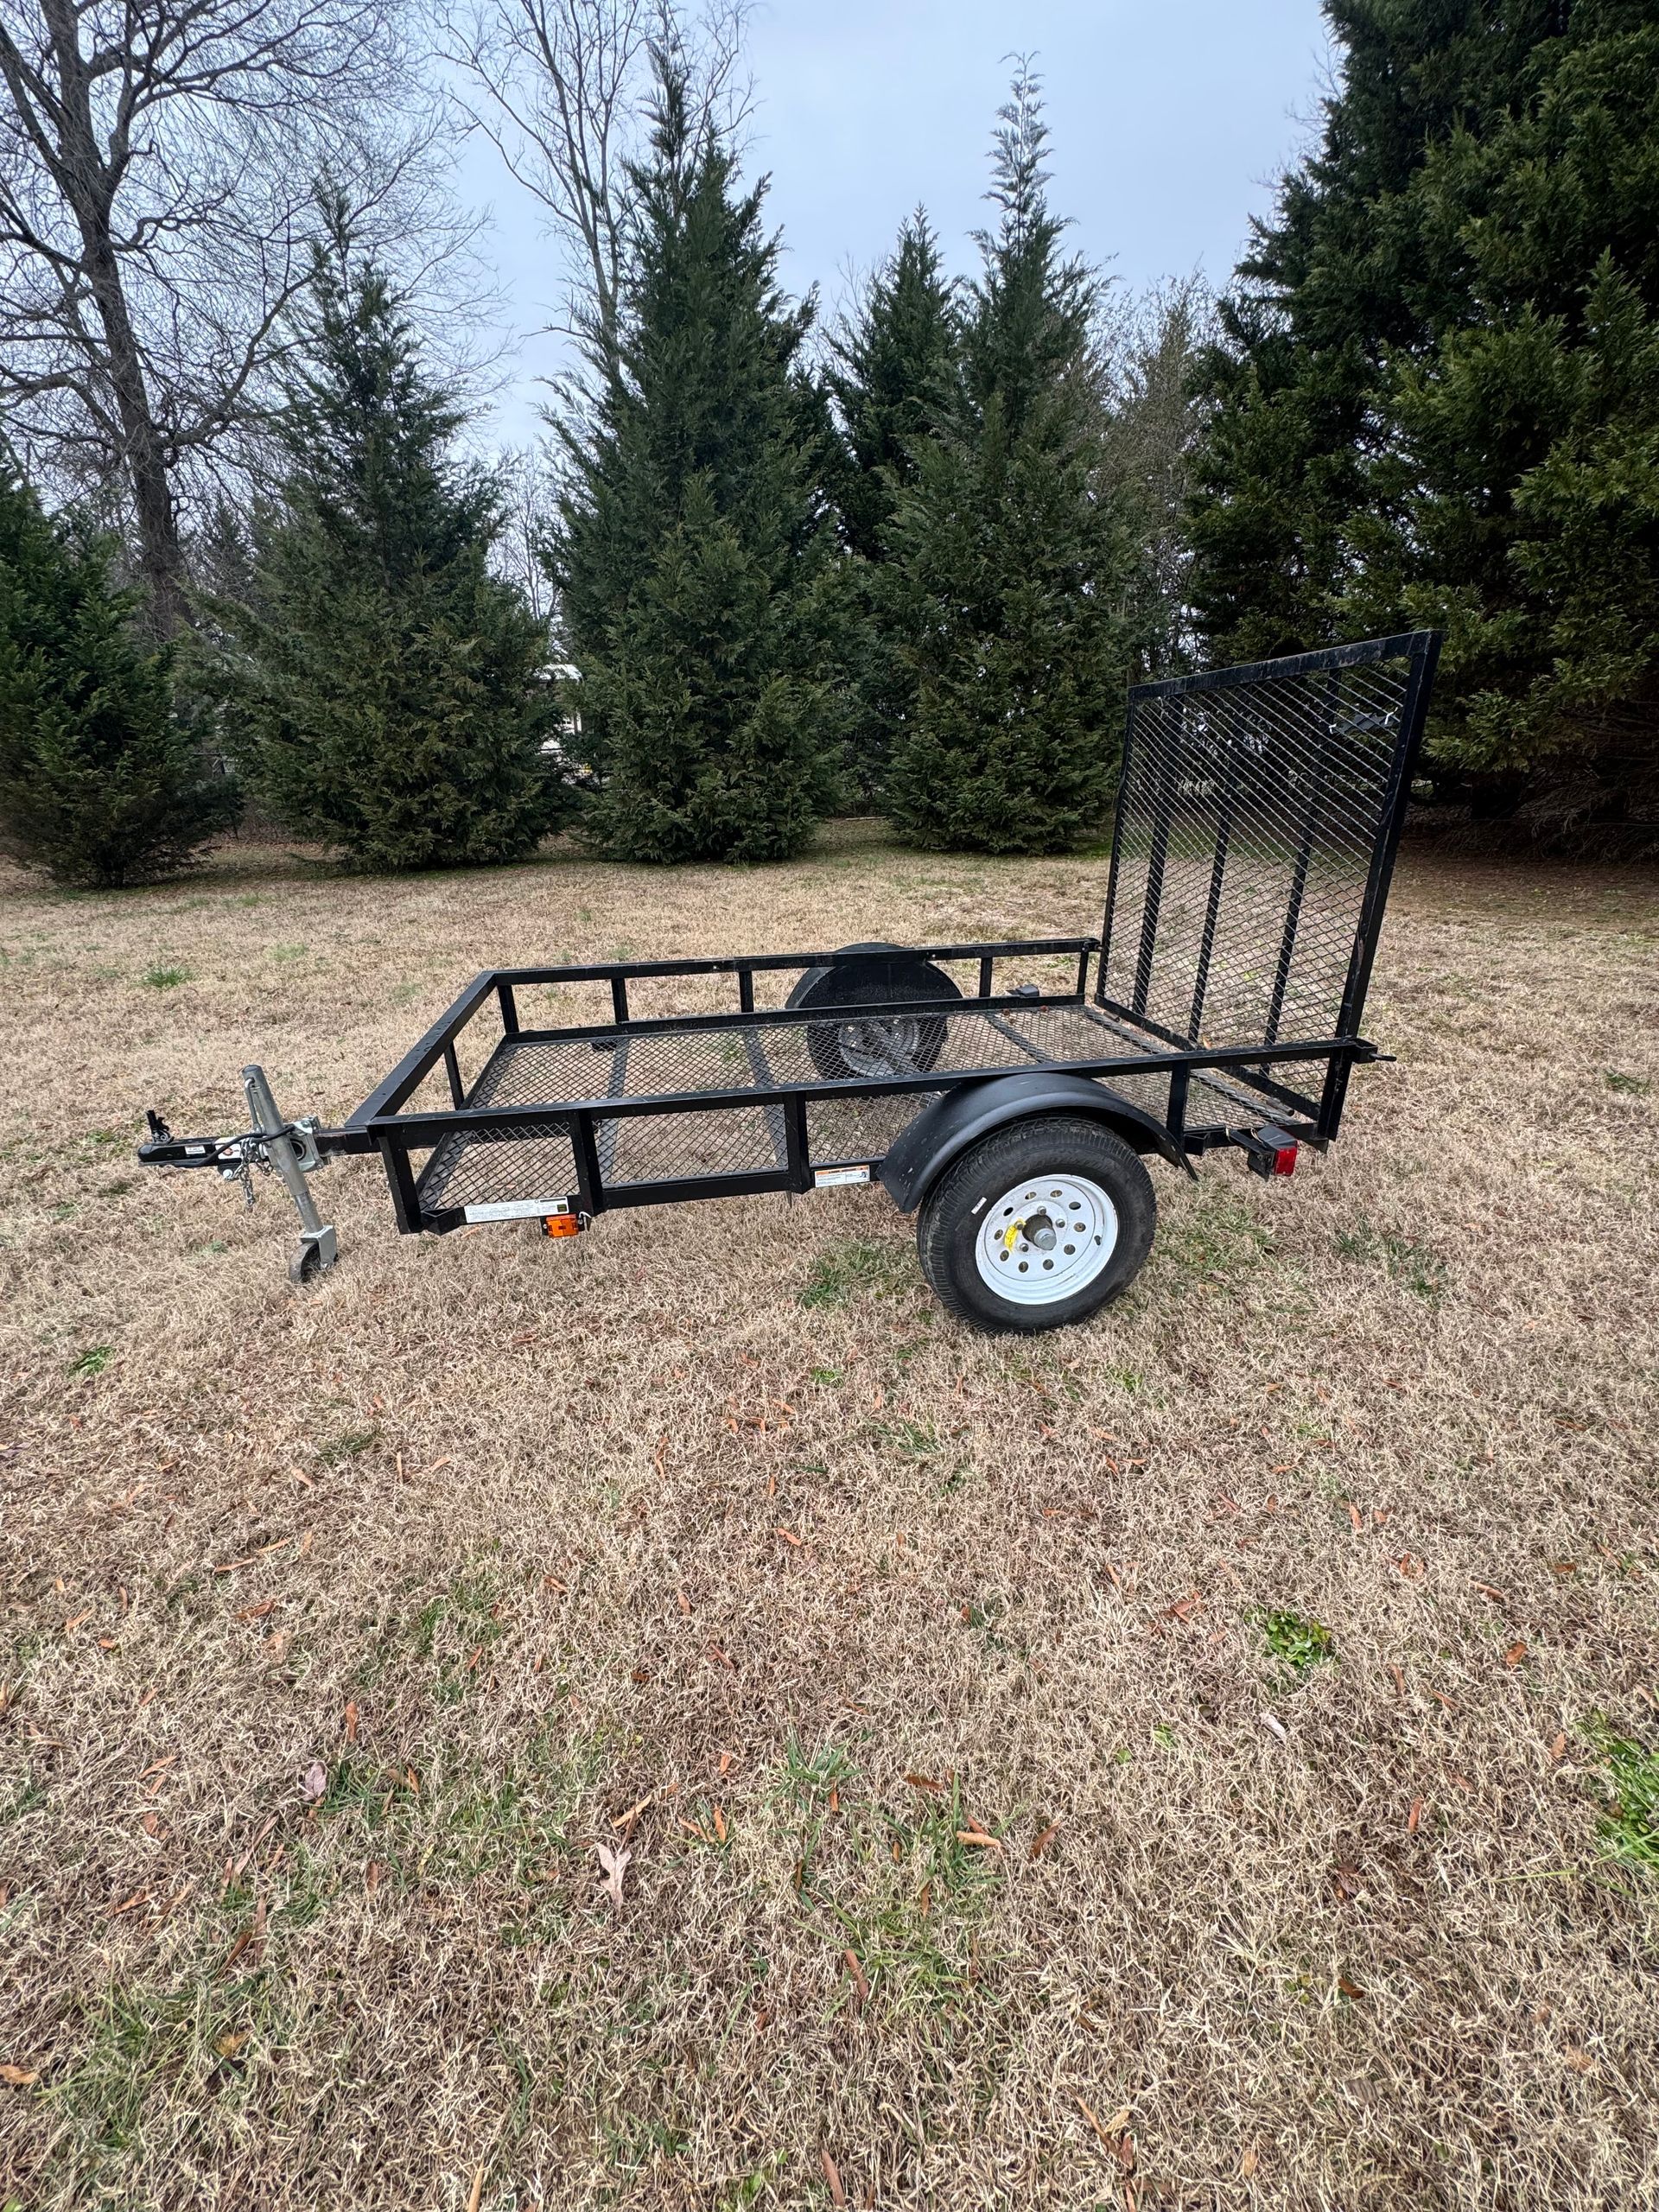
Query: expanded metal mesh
x: 521, y: 1163
x: 1249, y: 817
x: 952, y: 1038
x: 478, y: 1168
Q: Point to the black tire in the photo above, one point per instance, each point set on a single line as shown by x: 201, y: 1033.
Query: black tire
x: 905, y: 1045
x: 989, y: 1175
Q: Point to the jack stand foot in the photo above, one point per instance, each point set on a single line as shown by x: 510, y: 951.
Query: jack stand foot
x: 317, y: 1254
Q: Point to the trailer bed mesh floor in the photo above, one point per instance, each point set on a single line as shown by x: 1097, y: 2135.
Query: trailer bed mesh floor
x: 516, y: 1166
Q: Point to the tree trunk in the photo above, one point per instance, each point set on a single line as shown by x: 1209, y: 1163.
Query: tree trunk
x: 88, y: 185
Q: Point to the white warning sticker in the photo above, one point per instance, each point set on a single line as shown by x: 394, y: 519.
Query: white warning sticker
x: 823, y: 1177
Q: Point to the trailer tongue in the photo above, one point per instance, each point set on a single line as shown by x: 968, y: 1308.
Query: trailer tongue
x: 1258, y: 817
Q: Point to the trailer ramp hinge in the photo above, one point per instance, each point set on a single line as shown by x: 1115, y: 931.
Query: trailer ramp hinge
x: 1269, y: 1150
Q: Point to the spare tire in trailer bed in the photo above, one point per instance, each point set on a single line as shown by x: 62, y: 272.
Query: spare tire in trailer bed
x: 897, y: 1044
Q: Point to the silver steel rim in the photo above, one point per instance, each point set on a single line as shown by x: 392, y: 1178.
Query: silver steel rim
x: 887, y: 1047
x: 1045, y: 1239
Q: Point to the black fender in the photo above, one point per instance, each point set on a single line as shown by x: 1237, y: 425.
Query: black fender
x: 960, y: 1117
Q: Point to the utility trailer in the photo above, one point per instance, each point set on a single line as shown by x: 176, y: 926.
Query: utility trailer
x: 1259, y: 812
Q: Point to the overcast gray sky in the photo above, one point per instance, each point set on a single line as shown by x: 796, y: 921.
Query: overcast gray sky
x: 1170, y: 119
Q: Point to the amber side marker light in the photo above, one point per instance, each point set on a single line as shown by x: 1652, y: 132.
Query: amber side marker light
x: 561, y: 1224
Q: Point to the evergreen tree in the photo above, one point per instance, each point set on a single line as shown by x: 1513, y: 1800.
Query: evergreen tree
x: 1155, y: 420
x: 696, y: 567
x: 893, y: 377
x: 1013, y: 570
x: 385, y: 693
x: 1438, y: 403
x: 100, y: 784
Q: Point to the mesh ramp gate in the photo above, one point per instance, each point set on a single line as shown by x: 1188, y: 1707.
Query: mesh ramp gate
x: 1258, y: 817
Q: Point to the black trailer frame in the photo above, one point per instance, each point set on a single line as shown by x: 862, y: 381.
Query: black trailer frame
x: 1259, y: 815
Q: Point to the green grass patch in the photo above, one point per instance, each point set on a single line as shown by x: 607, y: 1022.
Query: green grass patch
x: 1299, y: 1645
x: 1403, y: 1259
x: 93, y: 1361
x: 809, y: 1777
x: 1215, y: 1237
x: 1627, y: 1785
x: 840, y: 1271
x: 346, y: 1446
x: 202, y: 2046
x: 158, y: 978
x: 1631, y: 1086
x: 909, y: 1439
x: 456, y: 1631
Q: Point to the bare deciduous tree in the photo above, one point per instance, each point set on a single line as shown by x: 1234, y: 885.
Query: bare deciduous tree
x: 157, y: 162
x: 561, y: 88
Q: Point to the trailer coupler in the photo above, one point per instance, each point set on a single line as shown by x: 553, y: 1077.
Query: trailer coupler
x: 289, y: 1150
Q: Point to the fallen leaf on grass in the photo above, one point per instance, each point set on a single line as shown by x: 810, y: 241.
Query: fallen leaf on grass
x: 257, y: 1612
x: 789, y: 1536
x: 1043, y: 1841
x: 1249, y: 2163
x: 1350, y: 1989
x: 1414, y: 1818
x: 252, y: 1937
x: 314, y: 1781
x: 978, y: 1838
x: 857, y: 1973
x: 228, y: 2045
x: 720, y: 1826
x: 1580, y: 2061
x: 1558, y: 1746
x: 19, y: 2077
x: 837, y: 2194
x: 924, y: 1782
x: 1515, y: 1654
x: 615, y: 1864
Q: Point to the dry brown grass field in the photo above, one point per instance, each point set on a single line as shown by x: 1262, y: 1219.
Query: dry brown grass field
x: 1162, y: 1764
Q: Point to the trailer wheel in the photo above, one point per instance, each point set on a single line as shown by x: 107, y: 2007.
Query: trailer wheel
x: 1038, y: 1225
x: 902, y: 1044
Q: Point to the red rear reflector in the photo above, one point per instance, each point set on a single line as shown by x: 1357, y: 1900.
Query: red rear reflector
x: 566, y: 1225
x: 1284, y: 1160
